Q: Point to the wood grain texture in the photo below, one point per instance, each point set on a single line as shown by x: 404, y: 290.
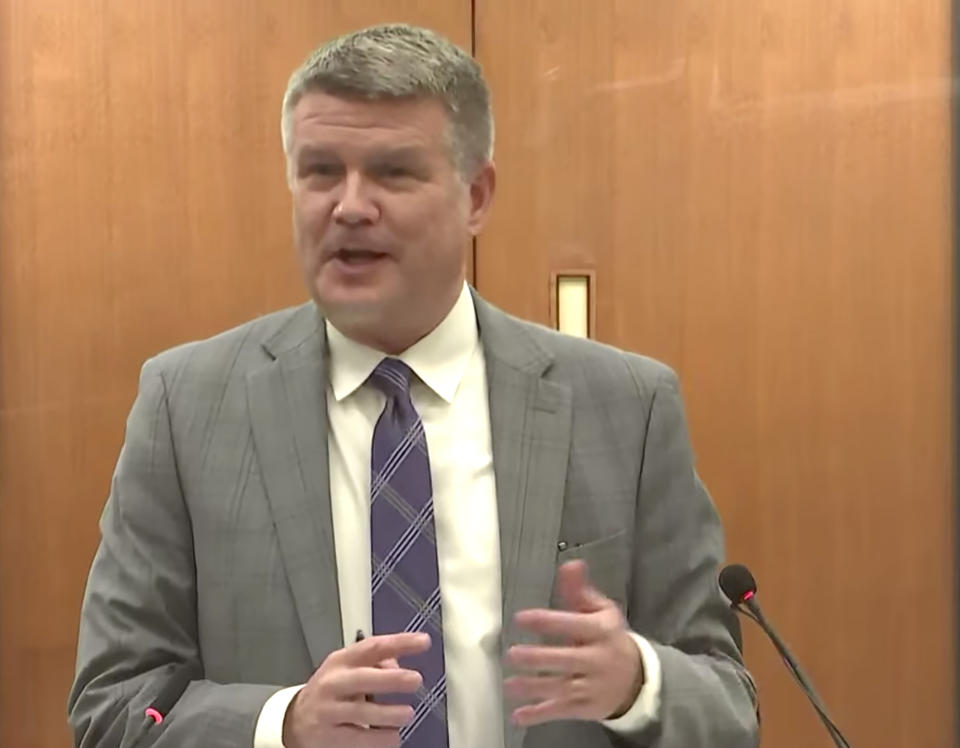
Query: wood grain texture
x: 142, y: 204
x: 764, y: 191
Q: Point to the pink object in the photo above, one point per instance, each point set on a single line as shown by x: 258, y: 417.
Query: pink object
x: 748, y: 596
x: 154, y: 715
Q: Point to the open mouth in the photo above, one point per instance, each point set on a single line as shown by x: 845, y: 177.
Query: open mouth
x: 358, y: 256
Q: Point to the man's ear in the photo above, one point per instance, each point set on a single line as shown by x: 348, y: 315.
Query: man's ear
x: 481, y: 189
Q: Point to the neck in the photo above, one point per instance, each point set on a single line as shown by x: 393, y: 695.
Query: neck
x: 395, y: 335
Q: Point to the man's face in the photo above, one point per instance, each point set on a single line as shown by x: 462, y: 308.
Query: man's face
x: 382, y: 219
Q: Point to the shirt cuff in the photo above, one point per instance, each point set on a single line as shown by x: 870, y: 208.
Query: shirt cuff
x: 647, y: 706
x: 269, y: 732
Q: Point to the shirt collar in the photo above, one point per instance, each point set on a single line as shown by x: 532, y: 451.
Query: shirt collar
x: 439, y: 359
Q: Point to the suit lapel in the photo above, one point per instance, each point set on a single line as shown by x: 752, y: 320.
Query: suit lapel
x: 530, y: 422
x: 287, y: 400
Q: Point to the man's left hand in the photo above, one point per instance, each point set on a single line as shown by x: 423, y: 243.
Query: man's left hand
x: 596, y: 673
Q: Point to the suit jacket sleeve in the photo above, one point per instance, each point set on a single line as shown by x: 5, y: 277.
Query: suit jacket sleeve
x: 139, y: 617
x: 707, y: 697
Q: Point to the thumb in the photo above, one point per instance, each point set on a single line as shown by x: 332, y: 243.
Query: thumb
x: 573, y: 587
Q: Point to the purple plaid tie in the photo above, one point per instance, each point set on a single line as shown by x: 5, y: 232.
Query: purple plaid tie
x: 405, y: 580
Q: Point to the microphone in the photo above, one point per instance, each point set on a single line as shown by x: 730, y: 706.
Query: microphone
x: 740, y: 589
x: 169, y: 695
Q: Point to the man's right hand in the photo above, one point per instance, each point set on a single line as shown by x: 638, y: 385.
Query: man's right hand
x: 332, y: 711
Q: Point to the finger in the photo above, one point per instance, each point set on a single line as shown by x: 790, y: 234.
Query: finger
x: 376, y: 649
x: 371, y: 714
x: 389, y: 664
x: 547, y: 711
x: 533, y: 688
x: 579, y: 627
x: 347, y: 683
x: 559, y: 660
x: 364, y: 737
x: 574, y: 590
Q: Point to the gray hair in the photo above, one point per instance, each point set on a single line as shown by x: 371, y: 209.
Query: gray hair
x: 401, y: 61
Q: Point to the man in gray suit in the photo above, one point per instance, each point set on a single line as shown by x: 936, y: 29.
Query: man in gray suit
x: 398, y: 459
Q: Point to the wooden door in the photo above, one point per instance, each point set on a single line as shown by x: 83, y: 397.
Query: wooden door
x: 142, y: 204
x: 763, y: 193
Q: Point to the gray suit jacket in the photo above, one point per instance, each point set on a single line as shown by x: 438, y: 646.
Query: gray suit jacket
x: 217, y: 544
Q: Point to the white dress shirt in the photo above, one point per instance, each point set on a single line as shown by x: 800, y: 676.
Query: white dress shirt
x: 450, y: 394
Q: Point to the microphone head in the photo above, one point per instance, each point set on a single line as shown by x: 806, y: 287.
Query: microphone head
x: 737, y: 584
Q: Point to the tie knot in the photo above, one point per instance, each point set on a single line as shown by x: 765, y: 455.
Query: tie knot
x: 392, y: 377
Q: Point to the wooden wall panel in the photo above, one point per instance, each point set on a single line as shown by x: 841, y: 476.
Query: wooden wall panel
x: 142, y: 204
x: 764, y: 193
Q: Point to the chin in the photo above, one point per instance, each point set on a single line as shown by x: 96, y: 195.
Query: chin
x: 360, y: 297
x: 351, y: 311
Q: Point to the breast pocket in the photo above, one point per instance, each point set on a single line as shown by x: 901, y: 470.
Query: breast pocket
x: 608, y: 565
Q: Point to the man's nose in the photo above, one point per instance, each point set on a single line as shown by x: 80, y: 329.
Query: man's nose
x: 355, y: 205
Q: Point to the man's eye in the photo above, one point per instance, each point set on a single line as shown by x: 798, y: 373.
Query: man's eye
x: 323, y: 170
x: 394, y: 172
